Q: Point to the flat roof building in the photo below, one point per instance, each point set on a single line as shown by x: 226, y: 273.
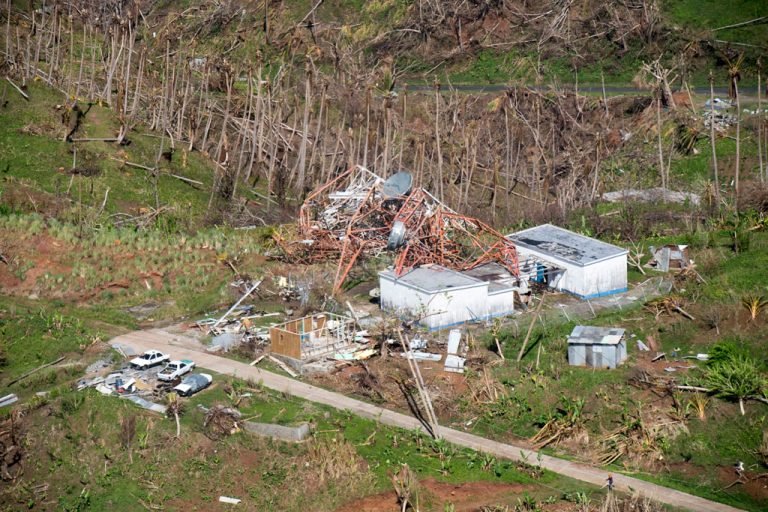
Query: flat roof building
x: 439, y: 297
x: 571, y: 262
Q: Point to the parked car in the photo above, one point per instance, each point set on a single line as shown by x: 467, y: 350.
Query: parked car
x: 175, y: 369
x: 193, y: 383
x: 149, y: 359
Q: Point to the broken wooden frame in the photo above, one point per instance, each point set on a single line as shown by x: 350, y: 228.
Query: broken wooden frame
x: 312, y: 337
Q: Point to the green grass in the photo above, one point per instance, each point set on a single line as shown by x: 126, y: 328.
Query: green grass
x: 704, y: 15
x: 33, y: 153
x: 36, y: 335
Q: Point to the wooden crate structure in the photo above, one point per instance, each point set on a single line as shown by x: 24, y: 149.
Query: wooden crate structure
x: 312, y: 337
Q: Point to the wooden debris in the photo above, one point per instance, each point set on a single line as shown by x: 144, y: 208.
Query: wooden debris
x: 24, y: 376
x: 19, y: 89
x: 284, y: 366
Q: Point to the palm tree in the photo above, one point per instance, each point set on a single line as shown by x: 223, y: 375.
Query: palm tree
x: 754, y: 304
x: 734, y: 75
x: 176, y: 408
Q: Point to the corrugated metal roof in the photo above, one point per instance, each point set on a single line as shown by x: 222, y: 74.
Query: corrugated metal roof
x: 565, y: 245
x: 589, y: 335
x: 434, y: 278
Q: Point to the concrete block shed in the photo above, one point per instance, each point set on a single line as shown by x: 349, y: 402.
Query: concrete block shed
x: 570, y: 262
x: 440, y: 297
x: 596, y: 347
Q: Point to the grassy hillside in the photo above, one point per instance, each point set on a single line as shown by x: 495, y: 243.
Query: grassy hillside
x: 34, y: 155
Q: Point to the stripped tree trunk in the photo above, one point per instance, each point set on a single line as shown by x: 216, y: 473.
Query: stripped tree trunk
x: 715, y: 177
x: 738, y: 147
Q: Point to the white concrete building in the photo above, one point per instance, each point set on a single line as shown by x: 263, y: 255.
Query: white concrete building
x: 571, y: 262
x: 441, y: 297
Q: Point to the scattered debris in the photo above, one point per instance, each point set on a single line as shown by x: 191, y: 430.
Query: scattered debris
x: 146, y: 404
x: 8, y: 400
x: 642, y: 346
x: 224, y: 341
x: 669, y: 305
x: 722, y: 120
x: 284, y: 366
x: 227, y: 499
x: 596, y: 347
x: 359, y: 355
x: 422, y: 356
x: 11, y: 447
x: 669, y: 257
x: 221, y: 421
x: 453, y: 362
x: 250, y: 290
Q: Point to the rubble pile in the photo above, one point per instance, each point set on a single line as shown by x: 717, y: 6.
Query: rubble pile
x: 359, y: 213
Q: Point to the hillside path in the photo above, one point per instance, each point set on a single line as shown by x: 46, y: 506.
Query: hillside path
x: 180, y: 346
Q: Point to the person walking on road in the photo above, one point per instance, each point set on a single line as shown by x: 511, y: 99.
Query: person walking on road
x: 609, y: 483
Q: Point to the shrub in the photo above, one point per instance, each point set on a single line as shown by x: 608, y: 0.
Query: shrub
x: 737, y: 376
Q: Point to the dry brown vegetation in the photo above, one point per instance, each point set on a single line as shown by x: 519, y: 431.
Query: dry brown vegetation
x: 285, y: 128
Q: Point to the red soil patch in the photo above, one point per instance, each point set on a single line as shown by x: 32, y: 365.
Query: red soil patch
x: 43, y: 251
x: 755, y: 484
x: 465, y: 497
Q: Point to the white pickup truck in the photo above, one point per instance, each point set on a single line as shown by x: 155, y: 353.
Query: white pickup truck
x: 149, y: 359
x: 175, y: 369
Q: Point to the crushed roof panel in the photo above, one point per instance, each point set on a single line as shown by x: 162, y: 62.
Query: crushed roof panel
x: 565, y: 245
x: 499, y: 279
x: 589, y: 335
x: 434, y: 278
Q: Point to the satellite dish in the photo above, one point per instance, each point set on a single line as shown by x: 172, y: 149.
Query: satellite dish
x: 397, y: 185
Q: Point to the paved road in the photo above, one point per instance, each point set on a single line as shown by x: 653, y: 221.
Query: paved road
x: 185, y: 347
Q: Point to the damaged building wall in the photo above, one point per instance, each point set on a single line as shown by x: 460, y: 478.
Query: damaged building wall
x: 605, y: 278
x: 500, y: 302
x: 440, y: 298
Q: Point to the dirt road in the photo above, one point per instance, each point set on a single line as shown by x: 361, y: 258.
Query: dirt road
x: 186, y: 347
